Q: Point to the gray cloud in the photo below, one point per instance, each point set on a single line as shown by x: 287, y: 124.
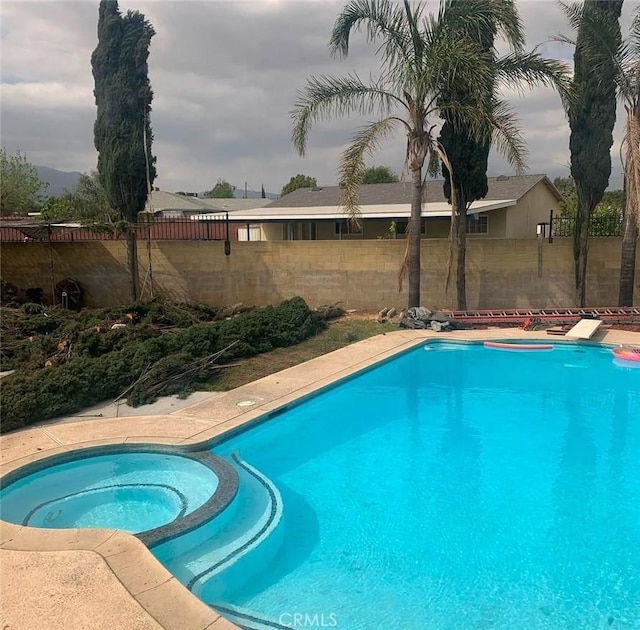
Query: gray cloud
x: 225, y: 76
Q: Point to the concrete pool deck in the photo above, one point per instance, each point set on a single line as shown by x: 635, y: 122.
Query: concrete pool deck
x: 102, y: 579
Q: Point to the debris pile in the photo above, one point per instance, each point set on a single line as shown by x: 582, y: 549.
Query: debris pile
x: 419, y: 317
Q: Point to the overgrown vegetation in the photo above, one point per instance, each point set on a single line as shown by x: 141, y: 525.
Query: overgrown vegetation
x: 379, y: 175
x: 605, y: 218
x: 298, y: 181
x: 65, y: 361
x: 21, y: 190
x: 222, y: 190
x: 87, y: 203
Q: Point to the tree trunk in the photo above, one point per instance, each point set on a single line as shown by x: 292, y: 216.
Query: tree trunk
x: 132, y: 263
x: 415, y: 237
x: 631, y: 207
x: 628, y: 248
x: 580, y: 251
x: 628, y: 261
x: 461, y: 254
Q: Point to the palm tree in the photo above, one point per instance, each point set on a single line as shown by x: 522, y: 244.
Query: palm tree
x: 423, y: 57
x: 628, y: 81
x: 469, y: 157
x: 602, y: 48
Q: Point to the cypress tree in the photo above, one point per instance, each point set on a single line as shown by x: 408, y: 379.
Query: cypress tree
x: 592, y: 116
x: 469, y: 162
x: 122, y: 131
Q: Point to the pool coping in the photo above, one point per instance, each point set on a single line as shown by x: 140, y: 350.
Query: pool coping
x: 196, y: 427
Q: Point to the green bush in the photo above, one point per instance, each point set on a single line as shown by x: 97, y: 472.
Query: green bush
x: 30, y: 334
x: 103, y: 365
x: 32, y: 309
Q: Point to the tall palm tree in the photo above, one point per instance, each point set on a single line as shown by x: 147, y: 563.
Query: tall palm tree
x: 423, y: 57
x: 602, y: 48
x: 628, y: 81
x: 468, y: 157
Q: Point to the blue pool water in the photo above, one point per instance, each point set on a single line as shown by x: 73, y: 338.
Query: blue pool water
x: 457, y: 488
x: 133, y: 492
x: 451, y: 488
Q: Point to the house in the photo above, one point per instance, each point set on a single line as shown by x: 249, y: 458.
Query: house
x: 189, y: 207
x: 168, y: 205
x: 512, y: 208
x: 166, y: 217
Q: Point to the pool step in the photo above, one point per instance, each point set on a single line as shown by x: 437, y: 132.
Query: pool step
x: 247, y: 620
x: 213, y: 559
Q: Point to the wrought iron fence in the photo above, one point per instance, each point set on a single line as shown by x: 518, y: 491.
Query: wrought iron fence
x: 216, y: 228
x: 598, y: 226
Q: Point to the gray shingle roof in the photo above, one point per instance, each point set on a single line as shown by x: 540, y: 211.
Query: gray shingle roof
x: 162, y: 200
x: 499, y: 188
x: 233, y: 205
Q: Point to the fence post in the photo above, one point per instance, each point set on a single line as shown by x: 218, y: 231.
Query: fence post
x: 51, y: 269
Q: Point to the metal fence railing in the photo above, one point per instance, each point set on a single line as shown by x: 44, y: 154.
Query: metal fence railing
x: 218, y: 228
x: 598, y: 226
x: 211, y: 229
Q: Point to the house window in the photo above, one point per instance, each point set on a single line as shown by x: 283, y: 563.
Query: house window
x: 348, y: 227
x: 477, y: 224
x: 401, y: 227
x: 289, y: 233
x: 299, y: 231
x: 306, y: 231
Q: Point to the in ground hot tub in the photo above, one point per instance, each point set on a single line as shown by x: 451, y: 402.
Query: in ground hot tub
x: 132, y: 491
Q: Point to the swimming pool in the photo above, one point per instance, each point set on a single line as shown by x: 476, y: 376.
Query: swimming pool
x: 452, y: 487
x: 457, y: 487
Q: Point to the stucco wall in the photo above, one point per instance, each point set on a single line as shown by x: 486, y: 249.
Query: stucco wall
x: 497, y: 223
x: 532, y: 208
x: 501, y: 273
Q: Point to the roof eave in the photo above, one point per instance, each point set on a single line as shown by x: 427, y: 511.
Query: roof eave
x: 396, y: 211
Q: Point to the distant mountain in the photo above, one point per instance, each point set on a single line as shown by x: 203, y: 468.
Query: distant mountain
x: 59, y: 181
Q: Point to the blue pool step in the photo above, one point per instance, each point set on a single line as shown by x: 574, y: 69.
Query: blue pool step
x: 247, y: 620
x: 234, y: 547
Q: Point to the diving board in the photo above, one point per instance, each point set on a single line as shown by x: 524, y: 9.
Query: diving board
x: 584, y: 329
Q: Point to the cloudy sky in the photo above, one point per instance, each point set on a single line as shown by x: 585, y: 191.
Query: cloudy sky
x: 225, y: 75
